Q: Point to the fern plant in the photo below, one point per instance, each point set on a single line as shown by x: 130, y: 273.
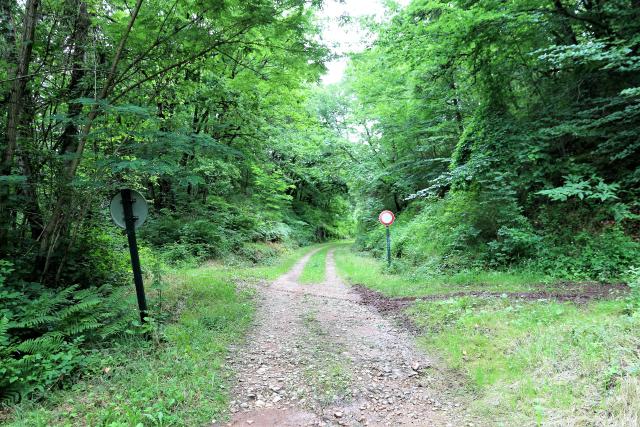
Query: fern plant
x: 42, y: 331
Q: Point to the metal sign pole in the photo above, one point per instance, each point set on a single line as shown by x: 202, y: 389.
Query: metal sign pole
x: 388, y: 246
x: 130, y: 222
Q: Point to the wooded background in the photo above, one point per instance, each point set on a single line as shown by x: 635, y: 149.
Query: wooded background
x: 509, y: 131
x: 206, y: 107
x: 504, y: 134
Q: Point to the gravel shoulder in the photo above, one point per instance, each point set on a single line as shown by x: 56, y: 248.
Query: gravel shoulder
x: 318, y: 356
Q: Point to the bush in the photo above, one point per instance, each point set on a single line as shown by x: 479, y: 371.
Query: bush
x: 259, y: 252
x: 42, y: 330
x: 633, y: 300
x: 461, y: 231
x: 513, y: 245
x: 161, y: 229
x: 96, y: 255
x: 273, y: 232
x: 179, y: 254
x: 467, y: 231
x: 605, y: 256
x: 207, y: 239
x: 188, y: 241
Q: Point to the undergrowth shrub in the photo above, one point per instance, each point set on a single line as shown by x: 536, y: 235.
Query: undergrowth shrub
x: 43, y: 330
x: 190, y: 241
x: 206, y: 238
x: 633, y: 300
x: 178, y: 254
x: 273, y: 232
x: 97, y: 254
x: 259, y: 252
x: 461, y: 231
x: 512, y: 245
x: 469, y: 231
x: 605, y: 256
x: 232, y: 233
x: 301, y: 232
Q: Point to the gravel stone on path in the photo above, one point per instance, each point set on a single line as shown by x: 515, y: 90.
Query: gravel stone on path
x: 317, y: 356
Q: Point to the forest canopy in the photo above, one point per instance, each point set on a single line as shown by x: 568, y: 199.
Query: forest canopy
x: 203, y: 105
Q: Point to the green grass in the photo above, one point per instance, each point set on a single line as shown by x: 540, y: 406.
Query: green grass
x: 175, y: 378
x: 276, y: 267
x: 314, y: 270
x: 547, y: 362
x: 362, y: 269
x: 528, y: 363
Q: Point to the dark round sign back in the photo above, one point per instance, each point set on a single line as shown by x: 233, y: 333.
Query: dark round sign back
x: 139, y: 207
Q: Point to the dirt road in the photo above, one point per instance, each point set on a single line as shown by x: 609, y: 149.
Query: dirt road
x: 318, y: 357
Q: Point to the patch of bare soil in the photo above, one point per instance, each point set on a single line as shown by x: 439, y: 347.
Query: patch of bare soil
x: 578, y: 293
x: 318, y: 356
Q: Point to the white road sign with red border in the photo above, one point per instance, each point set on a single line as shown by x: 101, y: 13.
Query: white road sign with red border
x: 386, y: 218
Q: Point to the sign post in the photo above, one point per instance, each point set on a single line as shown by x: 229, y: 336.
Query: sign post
x: 129, y: 210
x: 388, y: 247
x: 387, y: 218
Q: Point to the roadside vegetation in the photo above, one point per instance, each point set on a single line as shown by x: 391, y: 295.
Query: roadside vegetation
x: 401, y: 280
x: 210, y: 111
x: 525, y: 359
x: 505, y: 140
x: 171, y: 370
x: 539, y: 361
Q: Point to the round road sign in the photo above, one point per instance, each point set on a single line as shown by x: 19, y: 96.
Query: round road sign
x: 386, y: 218
x: 139, y: 207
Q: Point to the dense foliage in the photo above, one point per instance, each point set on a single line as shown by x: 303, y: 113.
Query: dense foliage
x: 506, y: 132
x: 204, y: 107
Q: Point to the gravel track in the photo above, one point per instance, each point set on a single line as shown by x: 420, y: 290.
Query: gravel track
x: 318, y: 356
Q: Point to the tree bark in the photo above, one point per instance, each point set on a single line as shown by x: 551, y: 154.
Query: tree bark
x: 7, y: 32
x: 16, y: 106
x: 28, y: 190
x: 68, y: 141
x: 19, y: 83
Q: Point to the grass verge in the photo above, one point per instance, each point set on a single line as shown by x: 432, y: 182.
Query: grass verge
x: 176, y: 378
x: 359, y: 268
x: 531, y: 363
x: 548, y: 362
x: 314, y: 270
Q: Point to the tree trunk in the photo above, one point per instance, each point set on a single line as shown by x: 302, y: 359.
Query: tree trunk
x: 68, y: 139
x: 7, y: 32
x: 19, y: 83
x: 29, y: 193
x: 16, y: 105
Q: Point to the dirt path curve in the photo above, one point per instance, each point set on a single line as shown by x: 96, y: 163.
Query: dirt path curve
x: 317, y: 357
